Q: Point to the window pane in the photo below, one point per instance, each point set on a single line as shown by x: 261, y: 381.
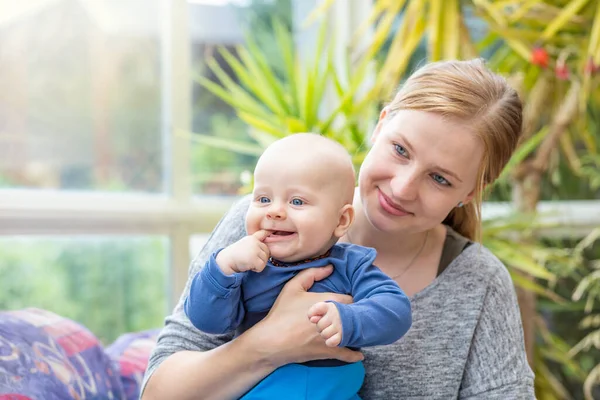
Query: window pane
x: 213, y: 25
x: 80, y: 95
x: 111, y: 285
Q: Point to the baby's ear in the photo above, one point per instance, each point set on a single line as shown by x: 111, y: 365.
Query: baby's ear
x: 346, y: 219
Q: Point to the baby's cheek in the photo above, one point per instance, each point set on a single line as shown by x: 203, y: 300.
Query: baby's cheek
x: 252, y: 221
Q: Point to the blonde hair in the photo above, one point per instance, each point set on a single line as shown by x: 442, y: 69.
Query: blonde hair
x: 467, y: 91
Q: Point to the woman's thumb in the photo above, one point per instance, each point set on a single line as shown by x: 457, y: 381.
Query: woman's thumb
x: 306, y: 278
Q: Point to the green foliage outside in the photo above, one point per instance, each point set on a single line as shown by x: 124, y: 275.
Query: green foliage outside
x: 215, y: 170
x: 110, y: 285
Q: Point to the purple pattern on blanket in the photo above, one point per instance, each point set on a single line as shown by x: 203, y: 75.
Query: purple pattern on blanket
x: 131, y: 351
x: 44, y: 356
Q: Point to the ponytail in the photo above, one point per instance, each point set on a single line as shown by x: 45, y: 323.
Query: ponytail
x: 466, y: 220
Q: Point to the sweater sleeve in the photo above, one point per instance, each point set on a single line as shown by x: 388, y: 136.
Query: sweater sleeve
x: 214, y: 304
x: 179, y: 334
x: 381, y: 312
x: 497, y: 365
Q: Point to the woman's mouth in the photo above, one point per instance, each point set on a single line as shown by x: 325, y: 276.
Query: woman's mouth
x: 389, y: 207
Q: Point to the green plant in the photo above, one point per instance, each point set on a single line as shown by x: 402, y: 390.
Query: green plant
x: 216, y: 170
x: 307, y: 96
x: 588, y: 289
x: 110, y: 285
x: 590, y: 168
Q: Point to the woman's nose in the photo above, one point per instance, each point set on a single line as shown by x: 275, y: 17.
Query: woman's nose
x: 405, y: 185
x: 276, y: 212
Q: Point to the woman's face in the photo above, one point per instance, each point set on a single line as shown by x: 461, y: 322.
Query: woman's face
x: 419, y: 168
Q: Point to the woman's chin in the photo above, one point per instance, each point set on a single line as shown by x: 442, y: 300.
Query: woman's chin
x: 383, y: 223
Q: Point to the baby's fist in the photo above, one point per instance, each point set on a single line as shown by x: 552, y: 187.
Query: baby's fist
x: 250, y: 253
x: 328, y: 321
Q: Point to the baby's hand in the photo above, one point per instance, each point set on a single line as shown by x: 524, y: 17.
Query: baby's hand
x: 328, y: 321
x: 250, y: 253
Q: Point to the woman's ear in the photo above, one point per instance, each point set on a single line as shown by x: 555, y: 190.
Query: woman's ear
x: 471, y: 195
x: 377, y: 129
x: 346, y: 219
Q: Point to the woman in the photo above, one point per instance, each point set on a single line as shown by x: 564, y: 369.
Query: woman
x: 448, y: 132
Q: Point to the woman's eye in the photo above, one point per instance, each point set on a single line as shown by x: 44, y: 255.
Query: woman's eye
x: 440, y: 179
x: 297, y: 202
x: 263, y: 200
x: 400, y: 150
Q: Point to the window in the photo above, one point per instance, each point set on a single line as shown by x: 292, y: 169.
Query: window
x: 104, y: 199
x: 80, y: 98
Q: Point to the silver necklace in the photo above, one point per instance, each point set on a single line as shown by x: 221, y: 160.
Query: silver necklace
x: 405, y: 269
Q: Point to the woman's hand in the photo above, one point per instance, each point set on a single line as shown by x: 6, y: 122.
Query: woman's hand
x: 286, y: 335
x: 227, y: 372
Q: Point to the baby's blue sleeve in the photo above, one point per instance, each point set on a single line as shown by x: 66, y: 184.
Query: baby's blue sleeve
x: 214, y: 304
x: 381, y: 312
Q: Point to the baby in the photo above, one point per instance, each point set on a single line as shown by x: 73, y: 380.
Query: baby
x: 301, y: 206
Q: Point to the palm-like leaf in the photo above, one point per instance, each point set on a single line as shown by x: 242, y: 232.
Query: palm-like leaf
x: 547, y: 384
x: 570, y: 40
x: 277, y: 103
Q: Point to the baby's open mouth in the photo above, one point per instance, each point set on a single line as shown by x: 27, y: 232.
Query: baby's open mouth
x: 281, y: 233
x: 276, y: 236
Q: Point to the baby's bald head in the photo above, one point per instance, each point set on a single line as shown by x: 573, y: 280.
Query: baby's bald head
x: 303, y: 192
x: 327, y: 161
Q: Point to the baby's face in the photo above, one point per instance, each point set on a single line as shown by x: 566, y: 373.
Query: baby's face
x: 298, y: 205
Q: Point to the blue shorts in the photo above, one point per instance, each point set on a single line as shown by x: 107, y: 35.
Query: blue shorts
x: 301, y: 382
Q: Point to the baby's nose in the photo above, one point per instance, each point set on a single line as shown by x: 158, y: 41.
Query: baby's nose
x: 276, y: 212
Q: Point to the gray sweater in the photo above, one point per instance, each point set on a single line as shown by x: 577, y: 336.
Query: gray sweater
x: 466, y: 340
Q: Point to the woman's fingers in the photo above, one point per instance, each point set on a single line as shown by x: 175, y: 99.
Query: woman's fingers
x: 340, y: 298
x: 306, y: 278
x: 287, y: 334
x: 345, y: 354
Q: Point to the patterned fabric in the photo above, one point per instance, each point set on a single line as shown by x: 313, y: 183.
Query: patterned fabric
x: 44, y: 356
x: 131, y: 352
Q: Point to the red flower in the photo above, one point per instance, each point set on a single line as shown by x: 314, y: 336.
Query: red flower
x: 539, y: 57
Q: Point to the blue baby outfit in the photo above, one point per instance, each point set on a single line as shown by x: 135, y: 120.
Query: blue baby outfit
x: 380, y: 315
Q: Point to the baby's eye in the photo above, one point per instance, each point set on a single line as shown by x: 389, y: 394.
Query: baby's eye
x: 440, y: 179
x: 400, y: 150
x: 264, y: 200
x: 297, y: 202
